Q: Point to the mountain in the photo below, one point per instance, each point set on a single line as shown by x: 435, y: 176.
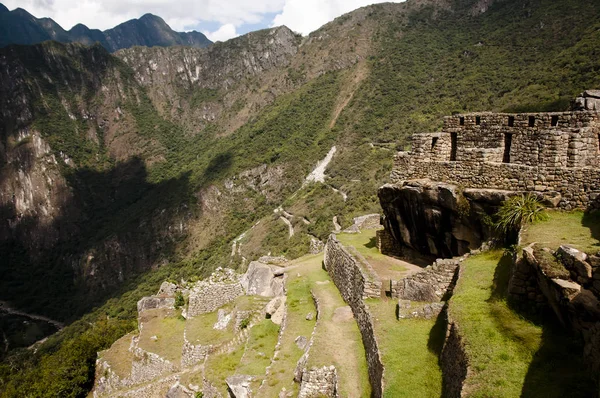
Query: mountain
x: 20, y: 27
x: 121, y: 170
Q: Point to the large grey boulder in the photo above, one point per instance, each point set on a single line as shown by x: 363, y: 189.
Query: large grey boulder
x: 575, y: 261
x: 239, y: 386
x: 149, y: 303
x: 260, y: 280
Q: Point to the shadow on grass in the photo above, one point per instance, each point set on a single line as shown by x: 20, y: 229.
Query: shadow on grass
x: 372, y: 243
x: 437, y: 334
x: 591, y: 220
x: 557, y: 368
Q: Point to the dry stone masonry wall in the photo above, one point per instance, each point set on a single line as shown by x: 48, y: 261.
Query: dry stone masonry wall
x: 432, y: 284
x: 545, y: 152
x: 349, y: 277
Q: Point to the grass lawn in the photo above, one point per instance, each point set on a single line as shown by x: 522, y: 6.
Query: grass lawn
x: 338, y: 342
x: 259, y: 351
x: 119, y: 357
x: 509, y: 355
x: 199, y: 330
x: 409, y: 352
x: 574, y: 228
x: 168, y: 328
x: 366, y: 244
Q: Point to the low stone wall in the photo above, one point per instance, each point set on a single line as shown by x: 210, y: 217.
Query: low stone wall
x: 386, y: 243
x: 349, y: 278
x: 429, y: 285
x: 576, y: 306
x: 454, y: 362
x: 319, y: 382
x: 208, y: 297
x: 192, y: 354
x: 147, y: 365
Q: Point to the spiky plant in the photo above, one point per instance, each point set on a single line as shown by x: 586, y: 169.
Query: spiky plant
x: 519, y: 211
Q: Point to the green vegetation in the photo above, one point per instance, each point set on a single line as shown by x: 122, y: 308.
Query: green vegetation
x: 510, y: 355
x: 550, y: 264
x: 259, y: 351
x: 365, y: 243
x: 409, y: 351
x: 119, y: 357
x: 576, y: 228
x: 338, y: 342
x: 299, y: 304
x: 518, y: 211
x: 199, y: 330
x: 162, y: 334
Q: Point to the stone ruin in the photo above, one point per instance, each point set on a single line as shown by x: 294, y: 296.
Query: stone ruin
x: 443, y: 192
x: 554, y: 154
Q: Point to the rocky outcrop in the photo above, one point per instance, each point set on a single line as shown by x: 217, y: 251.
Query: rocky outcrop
x: 239, y: 386
x: 260, y: 280
x: 435, y: 218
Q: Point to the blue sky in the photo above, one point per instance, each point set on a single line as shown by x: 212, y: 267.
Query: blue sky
x: 218, y: 19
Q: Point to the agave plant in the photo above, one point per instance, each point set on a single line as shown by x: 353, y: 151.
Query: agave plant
x: 519, y: 211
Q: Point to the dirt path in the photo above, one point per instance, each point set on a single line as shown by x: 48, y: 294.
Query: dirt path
x: 289, y: 224
x: 338, y: 342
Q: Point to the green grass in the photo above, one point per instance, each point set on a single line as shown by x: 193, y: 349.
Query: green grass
x: 299, y: 304
x: 576, y: 228
x: 366, y: 244
x: 508, y: 354
x: 169, y: 332
x: 339, y: 343
x: 199, y: 330
x: 259, y: 351
x: 119, y: 357
x: 219, y: 367
x: 409, y: 352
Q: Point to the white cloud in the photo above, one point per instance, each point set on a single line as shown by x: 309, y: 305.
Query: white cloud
x: 182, y: 14
x: 225, y: 32
x: 301, y: 16
x: 305, y: 16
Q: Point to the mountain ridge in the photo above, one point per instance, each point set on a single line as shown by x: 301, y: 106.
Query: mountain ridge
x: 20, y: 27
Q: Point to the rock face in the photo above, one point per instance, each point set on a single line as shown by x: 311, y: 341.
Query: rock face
x: 434, y: 218
x: 239, y: 386
x: 260, y: 280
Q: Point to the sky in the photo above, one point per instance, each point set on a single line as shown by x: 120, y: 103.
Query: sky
x: 219, y: 20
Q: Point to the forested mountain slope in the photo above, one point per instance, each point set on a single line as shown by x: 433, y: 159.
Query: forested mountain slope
x: 120, y: 171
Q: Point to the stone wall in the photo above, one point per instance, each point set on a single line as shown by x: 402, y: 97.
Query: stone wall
x: 559, y: 139
x: 319, y: 382
x: 434, y: 283
x: 454, y: 362
x: 577, y: 187
x: 207, y: 296
x: 349, y: 278
x: 386, y: 243
x: 577, y: 306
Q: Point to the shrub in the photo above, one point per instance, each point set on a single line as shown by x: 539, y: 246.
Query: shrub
x: 245, y: 323
x: 179, y: 300
x: 519, y: 211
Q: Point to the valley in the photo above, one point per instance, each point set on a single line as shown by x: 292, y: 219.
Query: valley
x: 377, y: 142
